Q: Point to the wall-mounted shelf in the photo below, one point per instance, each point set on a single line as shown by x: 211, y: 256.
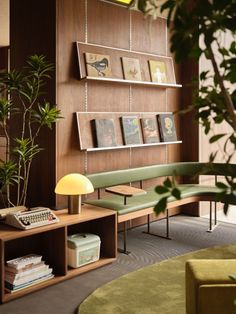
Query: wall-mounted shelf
x: 122, y: 81
x: 117, y: 70
x: 130, y: 146
x: 87, y: 136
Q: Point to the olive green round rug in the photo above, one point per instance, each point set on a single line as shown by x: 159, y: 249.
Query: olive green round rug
x: 154, y: 289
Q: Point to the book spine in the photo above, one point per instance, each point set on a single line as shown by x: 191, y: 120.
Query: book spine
x: 12, y: 278
x: 29, y: 281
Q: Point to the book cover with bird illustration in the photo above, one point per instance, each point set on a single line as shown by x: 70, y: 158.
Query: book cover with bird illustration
x: 105, y: 135
x: 98, y: 65
x: 167, y: 127
x: 150, y: 130
x: 131, y: 130
x: 158, y: 71
x: 131, y: 69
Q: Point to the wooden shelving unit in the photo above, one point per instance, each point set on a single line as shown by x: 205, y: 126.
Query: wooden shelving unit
x: 51, y: 242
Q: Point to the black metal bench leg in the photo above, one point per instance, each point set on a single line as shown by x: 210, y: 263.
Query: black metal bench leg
x: 211, y: 225
x: 124, y: 240
x: 155, y: 234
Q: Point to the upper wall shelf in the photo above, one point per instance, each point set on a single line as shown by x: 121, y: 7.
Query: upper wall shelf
x: 122, y: 81
x: 115, y: 65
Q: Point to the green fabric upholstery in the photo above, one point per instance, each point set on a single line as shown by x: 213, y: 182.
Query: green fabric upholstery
x: 208, y: 286
x: 150, y: 199
x: 116, y: 177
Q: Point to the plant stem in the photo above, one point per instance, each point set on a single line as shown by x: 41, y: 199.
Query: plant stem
x: 227, y: 98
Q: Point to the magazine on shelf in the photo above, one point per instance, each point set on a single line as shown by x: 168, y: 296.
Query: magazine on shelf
x: 167, y: 127
x: 9, y: 288
x: 28, y: 279
x: 158, y: 71
x: 150, y: 130
x: 131, y: 130
x: 14, y: 277
x: 105, y: 135
x: 24, y: 261
x: 98, y: 65
x: 131, y: 69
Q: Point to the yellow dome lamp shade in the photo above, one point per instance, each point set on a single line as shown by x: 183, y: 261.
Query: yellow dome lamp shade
x: 74, y: 185
x: 121, y: 2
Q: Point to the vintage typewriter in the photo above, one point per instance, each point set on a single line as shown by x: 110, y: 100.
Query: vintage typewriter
x: 22, y: 218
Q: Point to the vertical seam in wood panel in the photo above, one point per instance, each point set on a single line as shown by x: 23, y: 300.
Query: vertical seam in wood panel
x: 86, y: 83
x: 166, y: 96
x: 130, y: 87
x: 86, y: 21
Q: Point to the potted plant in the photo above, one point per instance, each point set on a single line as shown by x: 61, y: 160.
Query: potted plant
x: 214, y: 101
x: 21, y: 94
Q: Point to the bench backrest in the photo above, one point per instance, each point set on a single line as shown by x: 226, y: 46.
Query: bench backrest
x: 123, y: 176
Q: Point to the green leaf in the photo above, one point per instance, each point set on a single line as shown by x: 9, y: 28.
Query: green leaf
x: 176, y: 193
x: 221, y: 185
x: 160, y: 189
x: 216, y: 137
x: 167, y: 183
x: 160, y: 206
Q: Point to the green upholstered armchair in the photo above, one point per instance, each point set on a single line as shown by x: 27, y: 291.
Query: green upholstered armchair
x: 209, y: 288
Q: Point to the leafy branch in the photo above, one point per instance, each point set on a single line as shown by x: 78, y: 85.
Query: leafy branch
x: 23, y: 90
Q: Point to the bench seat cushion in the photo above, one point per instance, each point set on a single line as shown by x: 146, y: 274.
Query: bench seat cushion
x: 150, y: 199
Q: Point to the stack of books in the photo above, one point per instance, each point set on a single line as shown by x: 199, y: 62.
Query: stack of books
x: 26, y: 271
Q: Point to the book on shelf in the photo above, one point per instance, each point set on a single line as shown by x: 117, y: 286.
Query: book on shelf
x: 15, y: 277
x: 105, y: 135
x: 131, y: 69
x: 158, y: 71
x: 24, y: 261
x: 167, y: 127
x: 29, y: 284
x: 98, y: 65
x: 28, y: 279
x: 131, y: 130
x: 150, y: 130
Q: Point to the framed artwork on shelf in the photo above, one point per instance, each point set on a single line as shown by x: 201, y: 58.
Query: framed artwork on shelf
x: 98, y: 65
x: 167, y: 127
x: 131, y: 130
x: 131, y: 69
x: 104, y: 130
x: 150, y: 130
x: 157, y: 71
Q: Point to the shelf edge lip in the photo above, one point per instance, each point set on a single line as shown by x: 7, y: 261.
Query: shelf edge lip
x: 130, y: 146
x: 123, y: 81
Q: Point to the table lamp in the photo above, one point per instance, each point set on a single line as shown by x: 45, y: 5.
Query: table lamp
x: 74, y: 185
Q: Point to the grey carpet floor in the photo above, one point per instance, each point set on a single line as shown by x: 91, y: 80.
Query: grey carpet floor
x: 189, y: 234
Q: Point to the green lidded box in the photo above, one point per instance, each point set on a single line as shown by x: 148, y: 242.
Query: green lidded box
x: 83, y: 248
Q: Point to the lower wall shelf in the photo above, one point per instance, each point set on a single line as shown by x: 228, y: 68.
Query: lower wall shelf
x: 131, y: 146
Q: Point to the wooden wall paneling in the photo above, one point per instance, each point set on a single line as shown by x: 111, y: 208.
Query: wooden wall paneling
x: 142, y: 156
x: 28, y: 36
x: 108, y: 160
x: 148, y: 35
x: 70, y: 92
x: 149, y: 98
x: 108, y: 97
x: 108, y: 24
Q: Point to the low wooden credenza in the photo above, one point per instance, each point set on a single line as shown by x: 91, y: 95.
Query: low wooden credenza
x: 51, y: 242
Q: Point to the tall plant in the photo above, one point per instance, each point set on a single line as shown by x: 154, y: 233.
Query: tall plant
x: 22, y: 97
x: 214, y: 101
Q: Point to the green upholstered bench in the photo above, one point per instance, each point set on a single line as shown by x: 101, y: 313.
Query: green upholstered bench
x: 142, y: 204
x: 208, y: 286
